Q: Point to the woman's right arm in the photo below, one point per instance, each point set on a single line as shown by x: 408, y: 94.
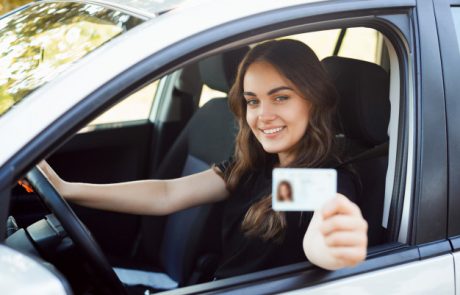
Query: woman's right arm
x: 147, y: 197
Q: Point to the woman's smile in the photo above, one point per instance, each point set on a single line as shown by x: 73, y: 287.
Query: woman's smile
x: 272, y: 131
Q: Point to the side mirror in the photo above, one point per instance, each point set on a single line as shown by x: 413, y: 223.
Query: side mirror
x: 22, y: 274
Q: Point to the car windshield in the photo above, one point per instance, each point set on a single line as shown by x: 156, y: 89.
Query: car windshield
x: 153, y: 6
x: 39, y: 42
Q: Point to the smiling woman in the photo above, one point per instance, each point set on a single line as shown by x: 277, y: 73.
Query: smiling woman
x: 41, y: 41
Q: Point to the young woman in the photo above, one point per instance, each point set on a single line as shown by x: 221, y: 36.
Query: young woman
x: 284, y: 103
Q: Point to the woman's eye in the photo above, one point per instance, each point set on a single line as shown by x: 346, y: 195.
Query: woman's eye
x: 281, y: 98
x: 251, y: 101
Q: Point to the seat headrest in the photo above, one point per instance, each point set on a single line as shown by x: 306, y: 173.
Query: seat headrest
x: 364, y: 105
x: 218, y: 72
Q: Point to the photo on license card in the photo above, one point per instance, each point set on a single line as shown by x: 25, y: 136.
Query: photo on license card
x: 302, y: 189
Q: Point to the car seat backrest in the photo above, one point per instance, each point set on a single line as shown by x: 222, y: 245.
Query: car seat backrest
x: 364, y: 106
x: 218, y: 72
x: 207, y: 138
x: 363, y: 116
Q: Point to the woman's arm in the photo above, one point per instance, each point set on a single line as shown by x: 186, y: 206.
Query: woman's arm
x: 149, y: 197
x: 337, y: 235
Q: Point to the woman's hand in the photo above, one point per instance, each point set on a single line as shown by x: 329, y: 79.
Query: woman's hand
x: 337, y: 235
x: 52, y: 176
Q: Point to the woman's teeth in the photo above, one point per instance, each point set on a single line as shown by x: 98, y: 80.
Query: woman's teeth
x: 271, y: 131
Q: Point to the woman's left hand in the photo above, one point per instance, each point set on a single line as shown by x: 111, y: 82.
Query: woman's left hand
x: 337, y: 235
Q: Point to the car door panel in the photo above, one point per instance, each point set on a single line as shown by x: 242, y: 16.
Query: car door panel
x: 430, y: 276
x: 448, y: 26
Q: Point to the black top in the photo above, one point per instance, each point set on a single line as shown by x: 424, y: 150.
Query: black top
x: 242, y: 254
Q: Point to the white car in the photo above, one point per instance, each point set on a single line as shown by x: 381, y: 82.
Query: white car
x: 114, y: 90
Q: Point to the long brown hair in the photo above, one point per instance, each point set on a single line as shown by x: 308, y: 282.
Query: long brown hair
x: 300, y: 65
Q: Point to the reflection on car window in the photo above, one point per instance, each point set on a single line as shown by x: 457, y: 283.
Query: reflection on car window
x: 38, y: 43
x: 136, y: 106
x: 358, y: 43
x: 456, y: 17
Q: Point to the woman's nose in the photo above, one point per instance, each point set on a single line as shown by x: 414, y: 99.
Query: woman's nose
x: 266, y: 112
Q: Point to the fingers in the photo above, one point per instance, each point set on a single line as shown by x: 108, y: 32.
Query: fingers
x: 349, y: 256
x: 343, y: 223
x: 50, y: 175
x: 340, y: 205
x: 346, y: 239
x: 344, y: 231
x: 47, y: 170
x: 44, y: 167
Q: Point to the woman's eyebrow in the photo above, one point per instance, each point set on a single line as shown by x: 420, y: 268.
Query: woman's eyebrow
x: 274, y: 90
x: 248, y: 93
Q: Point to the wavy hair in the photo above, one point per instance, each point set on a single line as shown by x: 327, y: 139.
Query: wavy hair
x: 299, y: 64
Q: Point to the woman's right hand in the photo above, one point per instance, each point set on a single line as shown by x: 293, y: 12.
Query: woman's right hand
x: 52, y: 177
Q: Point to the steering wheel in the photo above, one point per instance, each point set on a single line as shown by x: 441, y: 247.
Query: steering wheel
x: 77, y: 231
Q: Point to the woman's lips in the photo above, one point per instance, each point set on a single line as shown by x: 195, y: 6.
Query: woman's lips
x: 272, y: 131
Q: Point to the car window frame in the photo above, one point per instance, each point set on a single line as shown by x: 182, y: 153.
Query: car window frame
x: 200, y: 45
x: 450, y: 54
x: 430, y: 191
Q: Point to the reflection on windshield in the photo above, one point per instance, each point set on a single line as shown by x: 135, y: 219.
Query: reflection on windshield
x: 38, y: 43
x: 155, y: 6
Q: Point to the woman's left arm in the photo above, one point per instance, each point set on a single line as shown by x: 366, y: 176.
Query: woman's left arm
x: 337, y: 235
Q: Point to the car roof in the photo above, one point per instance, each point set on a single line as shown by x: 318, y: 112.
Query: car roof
x: 45, y: 105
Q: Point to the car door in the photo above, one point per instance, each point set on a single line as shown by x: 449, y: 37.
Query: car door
x: 448, y: 24
x: 416, y: 247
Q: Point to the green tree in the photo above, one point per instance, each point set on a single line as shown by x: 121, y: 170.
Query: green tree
x: 8, y: 5
x: 38, y: 43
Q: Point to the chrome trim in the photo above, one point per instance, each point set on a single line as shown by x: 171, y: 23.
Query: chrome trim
x: 404, y: 227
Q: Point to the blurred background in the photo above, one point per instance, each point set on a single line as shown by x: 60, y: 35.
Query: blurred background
x: 8, y: 5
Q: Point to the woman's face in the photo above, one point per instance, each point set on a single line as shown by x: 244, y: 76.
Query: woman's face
x: 276, y: 112
x: 285, y: 192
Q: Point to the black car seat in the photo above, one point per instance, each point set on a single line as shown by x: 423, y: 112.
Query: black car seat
x: 191, y: 238
x: 364, y: 113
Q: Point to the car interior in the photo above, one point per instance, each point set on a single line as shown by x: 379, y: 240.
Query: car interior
x: 183, y: 135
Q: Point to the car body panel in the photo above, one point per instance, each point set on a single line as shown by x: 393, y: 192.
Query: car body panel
x: 410, y: 278
x: 457, y: 272
x: 448, y: 30
x: 20, y: 274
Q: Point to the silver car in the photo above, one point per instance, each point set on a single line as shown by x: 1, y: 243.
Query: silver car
x: 111, y: 91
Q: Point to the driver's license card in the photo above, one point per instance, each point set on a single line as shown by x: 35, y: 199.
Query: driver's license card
x: 302, y: 189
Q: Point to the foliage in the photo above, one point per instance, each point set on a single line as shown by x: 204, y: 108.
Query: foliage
x: 38, y: 43
x: 8, y: 5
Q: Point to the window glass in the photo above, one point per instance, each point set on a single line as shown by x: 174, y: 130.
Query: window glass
x: 358, y: 43
x: 135, y: 107
x: 41, y: 41
x: 208, y: 94
x: 362, y: 43
x: 456, y: 17
x: 322, y: 42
